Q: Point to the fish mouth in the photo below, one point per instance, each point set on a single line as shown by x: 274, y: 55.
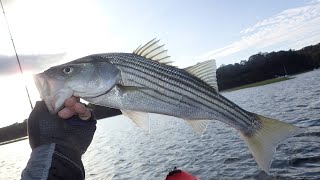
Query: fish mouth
x: 52, y: 91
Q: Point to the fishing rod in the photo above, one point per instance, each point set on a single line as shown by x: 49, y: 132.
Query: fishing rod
x: 15, y: 50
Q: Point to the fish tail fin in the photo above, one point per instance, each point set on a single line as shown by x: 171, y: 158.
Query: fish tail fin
x: 263, y: 142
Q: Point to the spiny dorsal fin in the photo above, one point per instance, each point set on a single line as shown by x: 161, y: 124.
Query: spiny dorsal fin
x: 205, y: 71
x: 141, y: 119
x: 153, y: 51
x: 199, y: 126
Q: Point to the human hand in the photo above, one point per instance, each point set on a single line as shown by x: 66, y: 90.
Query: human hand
x: 72, y: 106
x: 59, y: 140
x: 72, y: 128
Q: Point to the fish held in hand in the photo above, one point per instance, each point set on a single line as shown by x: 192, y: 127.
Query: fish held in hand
x: 145, y: 82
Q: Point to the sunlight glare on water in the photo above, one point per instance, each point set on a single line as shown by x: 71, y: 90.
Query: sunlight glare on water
x: 13, y: 159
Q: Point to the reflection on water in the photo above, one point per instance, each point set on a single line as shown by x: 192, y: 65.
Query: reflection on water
x: 120, y: 150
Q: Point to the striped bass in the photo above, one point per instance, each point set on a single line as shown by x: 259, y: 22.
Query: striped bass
x: 145, y: 82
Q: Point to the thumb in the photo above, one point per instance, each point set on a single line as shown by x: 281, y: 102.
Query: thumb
x: 83, y: 112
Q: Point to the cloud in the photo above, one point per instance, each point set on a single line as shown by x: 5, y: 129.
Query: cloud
x: 7, y: 2
x: 294, y: 28
x: 29, y: 63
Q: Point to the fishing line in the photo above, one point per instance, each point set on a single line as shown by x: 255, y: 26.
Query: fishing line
x: 15, y: 50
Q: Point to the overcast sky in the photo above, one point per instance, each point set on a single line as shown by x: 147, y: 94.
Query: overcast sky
x: 51, y: 32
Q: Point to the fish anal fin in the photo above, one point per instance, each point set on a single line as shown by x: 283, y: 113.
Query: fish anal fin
x: 205, y: 71
x: 199, y: 126
x: 141, y: 119
x: 263, y: 142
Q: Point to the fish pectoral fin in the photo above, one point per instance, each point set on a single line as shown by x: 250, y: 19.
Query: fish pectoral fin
x: 133, y: 88
x: 199, y: 126
x: 141, y: 119
x: 206, y: 71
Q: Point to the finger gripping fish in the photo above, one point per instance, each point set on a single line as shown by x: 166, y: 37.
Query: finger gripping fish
x: 145, y: 82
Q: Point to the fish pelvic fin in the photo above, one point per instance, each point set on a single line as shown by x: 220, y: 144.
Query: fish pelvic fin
x: 141, y: 119
x: 263, y: 142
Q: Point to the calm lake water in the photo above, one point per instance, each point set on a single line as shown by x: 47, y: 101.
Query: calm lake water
x: 120, y: 150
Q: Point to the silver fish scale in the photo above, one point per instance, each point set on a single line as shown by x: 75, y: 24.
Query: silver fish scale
x: 175, y: 92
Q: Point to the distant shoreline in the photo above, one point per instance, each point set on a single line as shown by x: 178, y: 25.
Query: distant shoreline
x: 14, y: 140
x: 260, y: 83
x: 268, y: 81
x: 267, y: 65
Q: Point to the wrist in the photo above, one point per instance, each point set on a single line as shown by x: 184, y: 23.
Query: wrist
x: 67, y: 162
x: 69, y: 153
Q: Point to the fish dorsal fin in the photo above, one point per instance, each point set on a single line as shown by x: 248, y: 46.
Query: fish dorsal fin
x: 153, y: 51
x: 141, y: 119
x: 199, y: 126
x: 205, y: 71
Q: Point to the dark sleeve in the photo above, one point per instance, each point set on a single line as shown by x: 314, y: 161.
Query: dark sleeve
x: 49, y: 162
x: 57, y: 145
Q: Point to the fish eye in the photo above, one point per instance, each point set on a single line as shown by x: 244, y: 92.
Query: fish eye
x: 67, y: 70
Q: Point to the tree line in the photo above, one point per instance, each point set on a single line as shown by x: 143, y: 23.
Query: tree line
x: 265, y: 65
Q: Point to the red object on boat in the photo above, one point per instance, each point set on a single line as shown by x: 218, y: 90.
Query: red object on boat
x: 178, y: 174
